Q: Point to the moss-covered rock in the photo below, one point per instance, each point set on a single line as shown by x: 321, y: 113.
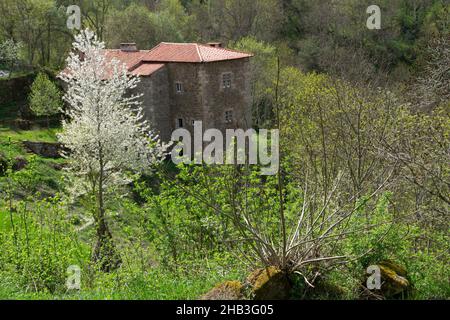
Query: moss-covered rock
x: 262, y: 284
x: 394, y: 267
x: 228, y: 290
x: 269, y: 284
x: 394, y: 282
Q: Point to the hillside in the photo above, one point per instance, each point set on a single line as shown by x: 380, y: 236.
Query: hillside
x: 338, y: 190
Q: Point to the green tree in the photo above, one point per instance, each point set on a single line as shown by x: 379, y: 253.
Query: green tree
x: 139, y: 27
x: 263, y: 72
x: 172, y: 22
x: 169, y: 22
x: 45, y: 97
x: 10, y: 54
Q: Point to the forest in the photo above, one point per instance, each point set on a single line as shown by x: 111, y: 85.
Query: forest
x: 92, y: 208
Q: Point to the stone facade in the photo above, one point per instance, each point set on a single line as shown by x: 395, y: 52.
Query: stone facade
x: 186, y: 82
x: 180, y: 93
x: 156, y: 102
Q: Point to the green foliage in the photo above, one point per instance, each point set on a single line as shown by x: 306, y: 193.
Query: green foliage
x: 382, y: 236
x: 181, y: 232
x: 155, y: 284
x: 436, y: 21
x: 263, y: 70
x: 338, y: 29
x: 45, y: 97
x: 169, y: 23
x: 139, y: 27
x: 37, y: 245
x: 9, y: 53
x: 39, y: 176
x: 40, y: 26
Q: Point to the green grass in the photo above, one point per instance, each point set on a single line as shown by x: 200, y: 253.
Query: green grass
x: 42, y: 135
x: 190, y: 281
x: 11, y: 147
x: 11, y: 140
x: 154, y: 284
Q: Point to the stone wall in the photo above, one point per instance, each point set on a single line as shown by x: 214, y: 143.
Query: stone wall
x: 203, y: 97
x: 186, y: 105
x: 156, y: 102
x: 45, y: 149
x: 217, y: 99
x: 15, y: 89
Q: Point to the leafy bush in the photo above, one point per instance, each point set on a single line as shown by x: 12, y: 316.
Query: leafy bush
x: 45, y: 97
x: 38, y: 245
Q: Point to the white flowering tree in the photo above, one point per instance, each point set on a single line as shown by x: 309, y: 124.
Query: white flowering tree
x: 105, y: 133
x: 10, y: 54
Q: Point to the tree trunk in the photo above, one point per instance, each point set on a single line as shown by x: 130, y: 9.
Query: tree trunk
x: 105, y: 253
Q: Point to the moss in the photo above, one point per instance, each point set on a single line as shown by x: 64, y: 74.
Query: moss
x: 393, y: 278
x: 393, y: 266
x: 228, y: 290
x: 235, y: 286
x: 394, y: 282
x: 261, y: 276
x: 269, y: 283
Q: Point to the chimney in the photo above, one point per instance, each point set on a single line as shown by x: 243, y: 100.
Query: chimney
x: 81, y: 55
x: 128, y: 47
x: 215, y: 44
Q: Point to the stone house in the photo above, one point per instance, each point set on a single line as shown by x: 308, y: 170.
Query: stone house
x: 186, y: 82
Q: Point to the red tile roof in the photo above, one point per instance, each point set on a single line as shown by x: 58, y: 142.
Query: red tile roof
x: 146, y: 62
x: 146, y: 69
x: 129, y: 58
x: 192, y: 52
x: 133, y: 61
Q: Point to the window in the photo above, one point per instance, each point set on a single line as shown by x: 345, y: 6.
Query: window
x: 228, y: 116
x: 226, y: 80
x: 179, y: 123
x: 179, y: 87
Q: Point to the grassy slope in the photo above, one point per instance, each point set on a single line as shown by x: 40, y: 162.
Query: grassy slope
x: 155, y: 284
x: 44, y: 135
x: 11, y: 147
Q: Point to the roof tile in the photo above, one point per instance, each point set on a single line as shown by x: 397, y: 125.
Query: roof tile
x: 146, y: 69
x: 146, y: 62
x: 191, y: 52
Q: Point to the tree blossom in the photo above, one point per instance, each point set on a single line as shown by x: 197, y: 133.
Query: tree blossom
x: 105, y: 131
x: 105, y: 134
